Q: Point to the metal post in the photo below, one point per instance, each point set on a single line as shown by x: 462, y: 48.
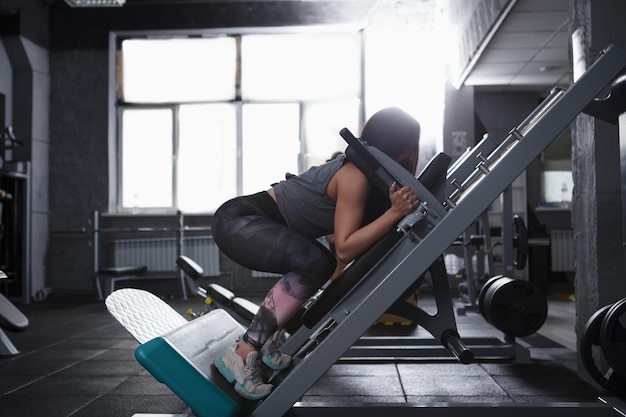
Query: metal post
x: 180, y: 245
x: 507, y: 233
x: 27, y: 262
x: 616, y: 99
x: 96, y: 241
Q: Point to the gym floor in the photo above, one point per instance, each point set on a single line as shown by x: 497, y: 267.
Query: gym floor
x: 77, y: 361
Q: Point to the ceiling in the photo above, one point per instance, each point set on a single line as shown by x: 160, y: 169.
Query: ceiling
x: 529, y: 50
x: 526, y: 49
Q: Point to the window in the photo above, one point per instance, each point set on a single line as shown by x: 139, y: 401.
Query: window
x: 207, y: 156
x: 178, y: 70
x: 268, y: 147
x: 147, y: 158
x: 300, y: 66
x: 413, y: 81
x: 203, y: 120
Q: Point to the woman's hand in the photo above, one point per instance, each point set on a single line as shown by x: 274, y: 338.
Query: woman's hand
x: 349, y: 188
x: 403, y: 200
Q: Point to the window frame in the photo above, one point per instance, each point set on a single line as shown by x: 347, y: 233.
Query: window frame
x: 116, y: 108
x: 119, y: 158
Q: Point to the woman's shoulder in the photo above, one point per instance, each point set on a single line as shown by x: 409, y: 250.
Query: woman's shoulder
x: 350, y: 171
x: 348, y: 178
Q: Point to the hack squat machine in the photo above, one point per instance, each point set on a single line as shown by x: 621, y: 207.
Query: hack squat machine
x: 331, y: 325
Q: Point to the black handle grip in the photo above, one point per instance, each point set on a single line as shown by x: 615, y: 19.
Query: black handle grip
x: 360, y: 148
x: 373, y: 165
x: 190, y: 268
x: 453, y: 342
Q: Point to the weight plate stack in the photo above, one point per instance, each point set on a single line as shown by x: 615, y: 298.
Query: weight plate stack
x: 613, y: 337
x: 591, y: 354
x: 517, y: 308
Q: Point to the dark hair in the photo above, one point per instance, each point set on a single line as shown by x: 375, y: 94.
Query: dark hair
x: 392, y: 131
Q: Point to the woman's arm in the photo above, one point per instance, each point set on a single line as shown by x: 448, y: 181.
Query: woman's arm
x: 352, y: 189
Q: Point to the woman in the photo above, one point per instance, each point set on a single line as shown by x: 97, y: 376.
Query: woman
x: 276, y: 231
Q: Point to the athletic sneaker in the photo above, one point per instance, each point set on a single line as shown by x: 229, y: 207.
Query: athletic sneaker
x: 249, y: 383
x: 272, y: 356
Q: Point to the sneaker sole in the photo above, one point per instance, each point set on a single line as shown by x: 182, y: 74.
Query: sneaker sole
x: 273, y: 366
x: 248, y: 395
x: 221, y: 367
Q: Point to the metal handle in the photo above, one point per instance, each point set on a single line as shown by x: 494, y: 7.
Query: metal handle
x: 452, y: 341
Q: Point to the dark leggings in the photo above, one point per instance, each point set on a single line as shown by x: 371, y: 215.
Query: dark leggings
x: 251, y: 231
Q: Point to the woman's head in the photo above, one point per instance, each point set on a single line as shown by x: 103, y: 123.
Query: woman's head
x: 394, y: 133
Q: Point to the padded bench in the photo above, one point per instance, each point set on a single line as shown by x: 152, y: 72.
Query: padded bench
x: 112, y: 275
x: 243, y: 310
x: 11, y: 319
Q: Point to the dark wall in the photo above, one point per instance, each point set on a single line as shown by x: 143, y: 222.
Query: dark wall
x: 73, y: 28
x: 27, y: 18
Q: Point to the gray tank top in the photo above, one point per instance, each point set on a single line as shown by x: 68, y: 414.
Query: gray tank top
x: 303, y: 202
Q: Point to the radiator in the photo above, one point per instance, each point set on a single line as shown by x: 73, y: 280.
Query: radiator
x: 159, y: 254
x: 562, y: 250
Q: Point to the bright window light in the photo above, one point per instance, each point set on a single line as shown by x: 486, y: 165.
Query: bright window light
x: 322, y: 122
x: 178, y: 70
x: 556, y: 187
x: 207, y: 157
x: 405, y: 69
x: 147, y: 158
x: 204, y: 145
x: 271, y: 144
x: 300, y: 66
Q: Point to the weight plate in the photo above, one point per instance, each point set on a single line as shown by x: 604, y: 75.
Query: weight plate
x: 489, y: 295
x: 483, y: 291
x: 613, y: 337
x: 591, y: 355
x: 516, y: 307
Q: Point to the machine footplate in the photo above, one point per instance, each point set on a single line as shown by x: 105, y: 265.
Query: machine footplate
x: 180, y: 353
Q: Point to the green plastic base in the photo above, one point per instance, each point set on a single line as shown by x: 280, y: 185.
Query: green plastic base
x: 182, y: 360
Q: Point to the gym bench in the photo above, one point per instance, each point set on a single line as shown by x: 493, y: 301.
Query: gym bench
x: 11, y: 319
x: 108, y: 277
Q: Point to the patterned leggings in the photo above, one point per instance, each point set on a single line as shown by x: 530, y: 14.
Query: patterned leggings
x: 251, y: 231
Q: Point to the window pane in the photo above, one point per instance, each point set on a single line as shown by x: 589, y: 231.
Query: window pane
x: 271, y: 144
x: 146, y: 158
x: 207, y: 158
x: 178, y: 70
x: 300, y: 66
x: 413, y: 81
x: 322, y: 122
